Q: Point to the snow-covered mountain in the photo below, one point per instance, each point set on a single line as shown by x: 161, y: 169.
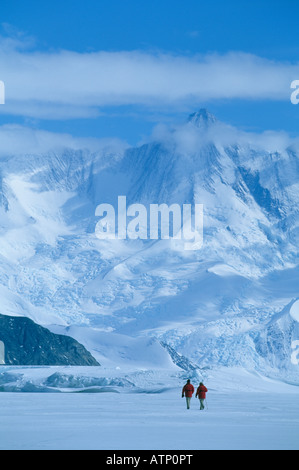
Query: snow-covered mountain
x: 228, y: 303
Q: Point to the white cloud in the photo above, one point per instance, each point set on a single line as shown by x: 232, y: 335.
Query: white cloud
x: 21, y: 140
x: 68, y: 84
x: 185, y: 138
x: 188, y: 139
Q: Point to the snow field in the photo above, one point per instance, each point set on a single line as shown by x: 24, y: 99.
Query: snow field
x: 127, y: 421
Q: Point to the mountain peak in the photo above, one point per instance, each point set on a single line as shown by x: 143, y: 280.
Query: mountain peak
x: 202, y: 118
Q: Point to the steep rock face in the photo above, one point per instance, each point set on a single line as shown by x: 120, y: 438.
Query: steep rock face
x: 27, y: 343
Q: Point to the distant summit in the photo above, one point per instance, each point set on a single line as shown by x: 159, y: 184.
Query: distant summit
x: 202, y: 118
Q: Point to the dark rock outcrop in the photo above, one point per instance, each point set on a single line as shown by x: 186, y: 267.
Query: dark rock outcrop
x: 27, y: 343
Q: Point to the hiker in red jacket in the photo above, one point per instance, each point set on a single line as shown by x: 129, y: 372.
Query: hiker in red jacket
x: 187, y: 392
x: 201, y: 394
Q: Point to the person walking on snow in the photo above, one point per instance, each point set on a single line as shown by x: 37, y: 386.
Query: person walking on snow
x: 201, y: 394
x: 187, y: 392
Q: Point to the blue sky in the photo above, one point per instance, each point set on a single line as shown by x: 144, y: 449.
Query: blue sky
x: 236, y: 58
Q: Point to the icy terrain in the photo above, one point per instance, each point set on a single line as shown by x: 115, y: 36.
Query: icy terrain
x: 151, y: 313
x: 243, y: 411
x: 230, y: 304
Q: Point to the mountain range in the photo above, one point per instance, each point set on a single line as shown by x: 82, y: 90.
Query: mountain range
x: 229, y: 303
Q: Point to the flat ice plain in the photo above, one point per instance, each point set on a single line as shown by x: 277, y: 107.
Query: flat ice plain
x: 244, y: 413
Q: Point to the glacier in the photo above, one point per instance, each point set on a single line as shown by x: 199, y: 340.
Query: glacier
x: 133, y: 302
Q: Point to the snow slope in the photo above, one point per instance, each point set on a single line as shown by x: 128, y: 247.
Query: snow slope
x: 230, y: 303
